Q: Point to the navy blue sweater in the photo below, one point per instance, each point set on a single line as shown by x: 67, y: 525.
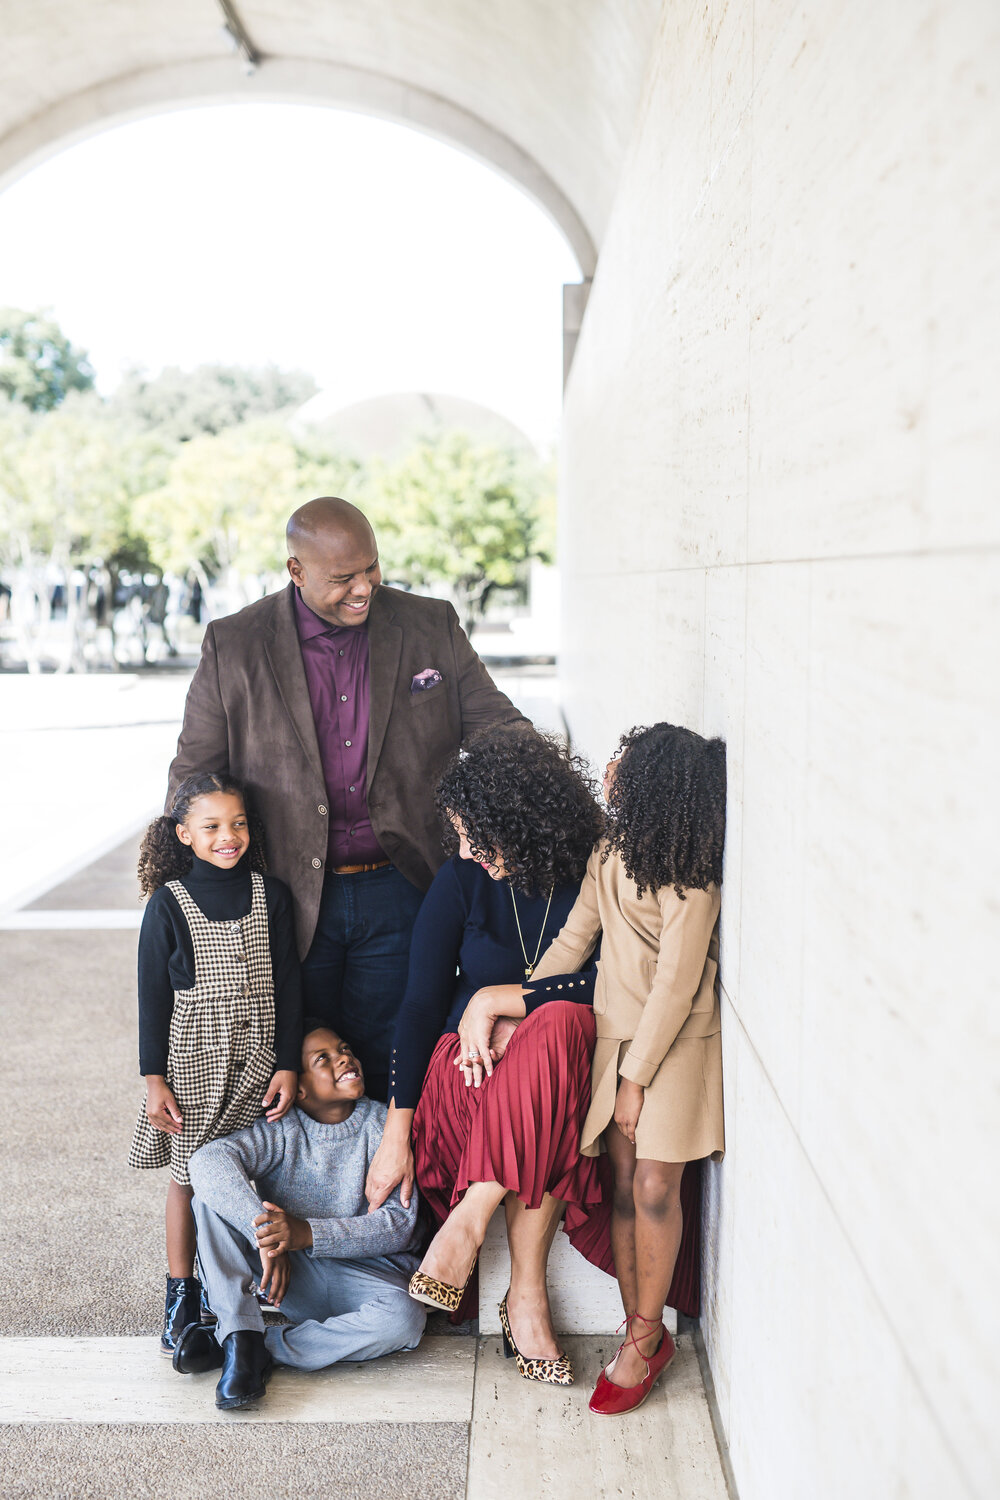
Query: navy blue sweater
x: 465, y: 937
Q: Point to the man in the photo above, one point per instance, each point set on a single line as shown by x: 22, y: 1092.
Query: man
x: 337, y: 703
x: 284, y: 1203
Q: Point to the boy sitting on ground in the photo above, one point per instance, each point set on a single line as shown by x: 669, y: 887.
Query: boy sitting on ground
x: 337, y: 1272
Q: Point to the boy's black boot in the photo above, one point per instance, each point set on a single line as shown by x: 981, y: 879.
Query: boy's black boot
x: 183, y: 1306
x: 246, y: 1366
x: 197, y: 1351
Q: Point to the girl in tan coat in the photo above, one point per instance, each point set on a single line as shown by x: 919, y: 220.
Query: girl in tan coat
x: 652, y: 890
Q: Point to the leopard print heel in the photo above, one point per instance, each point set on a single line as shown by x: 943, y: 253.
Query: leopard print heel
x: 436, y: 1293
x: 558, y: 1371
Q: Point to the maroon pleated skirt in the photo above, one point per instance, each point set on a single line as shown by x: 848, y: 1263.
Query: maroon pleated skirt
x: 521, y: 1128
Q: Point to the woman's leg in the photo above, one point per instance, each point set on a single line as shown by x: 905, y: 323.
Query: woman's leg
x: 452, y: 1252
x: 530, y: 1232
x: 621, y: 1154
x: 180, y: 1230
x: 656, y: 1191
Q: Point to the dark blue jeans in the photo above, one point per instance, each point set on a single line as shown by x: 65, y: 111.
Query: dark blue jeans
x: 354, y: 975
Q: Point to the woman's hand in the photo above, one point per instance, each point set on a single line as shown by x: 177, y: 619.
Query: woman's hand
x: 503, y: 1029
x: 280, y: 1093
x: 162, y: 1110
x: 391, y: 1165
x: 628, y: 1107
x: 475, y: 1029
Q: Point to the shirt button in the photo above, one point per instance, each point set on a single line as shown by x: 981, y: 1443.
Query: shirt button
x: 321, y: 809
x: 353, y: 788
x: 317, y: 864
x: 343, y: 697
x: 348, y: 744
x: 340, y: 653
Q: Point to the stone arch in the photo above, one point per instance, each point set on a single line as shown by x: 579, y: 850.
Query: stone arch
x: 291, y: 80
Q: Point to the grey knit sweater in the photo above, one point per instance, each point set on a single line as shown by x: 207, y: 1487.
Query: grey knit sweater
x: 316, y: 1172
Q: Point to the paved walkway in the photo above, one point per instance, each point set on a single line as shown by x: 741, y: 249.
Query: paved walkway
x: 92, y: 1408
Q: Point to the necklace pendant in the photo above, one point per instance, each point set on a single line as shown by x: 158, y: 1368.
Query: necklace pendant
x: 529, y: 971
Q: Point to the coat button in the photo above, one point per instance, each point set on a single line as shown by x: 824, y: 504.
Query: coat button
x: 317, y: 864
x: 321, y: 810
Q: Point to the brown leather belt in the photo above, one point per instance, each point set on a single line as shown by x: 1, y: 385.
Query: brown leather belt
x: 359, y: 869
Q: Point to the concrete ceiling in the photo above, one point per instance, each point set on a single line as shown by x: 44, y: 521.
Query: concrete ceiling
x: 544, y: 90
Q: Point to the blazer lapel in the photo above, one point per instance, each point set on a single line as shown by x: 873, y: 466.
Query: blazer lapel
x: 284, y: 655
x: 385, y: 647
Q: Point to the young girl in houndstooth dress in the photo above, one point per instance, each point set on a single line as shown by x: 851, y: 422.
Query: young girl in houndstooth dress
x: 220, y: 1010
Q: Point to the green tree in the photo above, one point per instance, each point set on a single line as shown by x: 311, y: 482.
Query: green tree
x: 68, y: 482
x: 225, y: 500
x: 467, y: 514
x: 184, y: 404
x: 38, y: 364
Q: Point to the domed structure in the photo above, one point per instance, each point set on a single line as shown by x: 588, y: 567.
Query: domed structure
x: 386, y: 426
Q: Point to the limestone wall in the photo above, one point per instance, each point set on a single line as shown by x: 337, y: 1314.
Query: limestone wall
x: 781, y: 467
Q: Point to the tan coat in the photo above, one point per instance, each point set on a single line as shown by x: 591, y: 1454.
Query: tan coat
x: 656, y: 1006
x: 248, y: 713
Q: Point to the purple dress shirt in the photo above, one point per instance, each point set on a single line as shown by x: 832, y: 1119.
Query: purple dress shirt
x: 336, y: 661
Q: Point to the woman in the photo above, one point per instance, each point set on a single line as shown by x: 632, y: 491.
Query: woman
x: 521, y: 817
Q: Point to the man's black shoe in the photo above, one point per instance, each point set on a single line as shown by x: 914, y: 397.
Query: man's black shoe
x: 246, y: 1366
x: 196, y: 1350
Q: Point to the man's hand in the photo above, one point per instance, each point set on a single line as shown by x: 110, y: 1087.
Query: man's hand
x: 162, y: 1110
x: 628, y: 1107
x: 275, y: 1274
x: 392, y: 1164
x: 280, y: 1093
x: 475, y: 1029
x: 278, y: 1232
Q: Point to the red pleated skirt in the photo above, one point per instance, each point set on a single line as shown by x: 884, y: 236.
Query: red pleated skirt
x: 521, y: 1128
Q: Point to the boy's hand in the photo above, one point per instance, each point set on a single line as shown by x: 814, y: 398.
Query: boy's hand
x: 275, y: 1274
x: 280, y: 1093
x: 628, y: 1107
x: 278, y: 1232
x: 162, y: 1110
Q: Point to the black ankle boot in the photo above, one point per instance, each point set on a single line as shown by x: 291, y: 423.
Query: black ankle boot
x: 246, y: 1366
x: 183, y: 1307
x: 197, y: 1351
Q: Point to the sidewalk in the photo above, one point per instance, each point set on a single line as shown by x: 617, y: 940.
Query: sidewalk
x: 92, y: 1408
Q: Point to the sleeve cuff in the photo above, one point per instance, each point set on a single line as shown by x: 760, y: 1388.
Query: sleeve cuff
x: 576, y: 987
x: 637, y: 1070
x: 322, y: 1238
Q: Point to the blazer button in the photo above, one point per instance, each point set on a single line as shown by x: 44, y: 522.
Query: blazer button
x: 321, y: 810
x: 317, y: 864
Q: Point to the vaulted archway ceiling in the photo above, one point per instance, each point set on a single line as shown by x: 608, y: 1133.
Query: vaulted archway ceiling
x: 544, y: 90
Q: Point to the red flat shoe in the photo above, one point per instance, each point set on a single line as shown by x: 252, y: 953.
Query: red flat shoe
x: 610, y: 1400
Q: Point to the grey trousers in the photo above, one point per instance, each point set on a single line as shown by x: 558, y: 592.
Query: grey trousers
x: 338, y: 1309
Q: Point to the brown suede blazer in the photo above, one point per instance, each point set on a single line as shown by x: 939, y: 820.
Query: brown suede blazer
x: 248, y: 713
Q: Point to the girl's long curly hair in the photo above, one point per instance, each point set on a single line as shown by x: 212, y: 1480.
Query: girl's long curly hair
x: 667, y: 808
x: 163, y: 857
x: 522, y: 795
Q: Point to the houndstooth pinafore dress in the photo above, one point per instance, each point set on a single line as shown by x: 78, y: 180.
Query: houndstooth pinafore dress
x: 220, y: 1058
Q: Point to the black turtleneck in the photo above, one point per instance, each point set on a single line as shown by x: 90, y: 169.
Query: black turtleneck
x: 166, y: 957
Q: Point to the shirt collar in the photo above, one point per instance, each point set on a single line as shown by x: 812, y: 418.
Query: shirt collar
x: 309, y: 624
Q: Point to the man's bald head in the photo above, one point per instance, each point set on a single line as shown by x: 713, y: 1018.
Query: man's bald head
x: 314, y: 523
x: 333, y: 559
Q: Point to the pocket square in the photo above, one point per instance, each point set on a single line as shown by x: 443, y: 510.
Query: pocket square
x: 428, y: 678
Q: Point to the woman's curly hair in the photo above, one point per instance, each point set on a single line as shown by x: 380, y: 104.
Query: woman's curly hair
x: 163, y: 857
x: 522, y: 795
x: 667, y: 808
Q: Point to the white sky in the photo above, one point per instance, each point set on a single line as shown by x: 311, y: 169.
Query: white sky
x: 374, y: 257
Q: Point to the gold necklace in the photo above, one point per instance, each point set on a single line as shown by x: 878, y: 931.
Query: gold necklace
x: 529, y: 965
